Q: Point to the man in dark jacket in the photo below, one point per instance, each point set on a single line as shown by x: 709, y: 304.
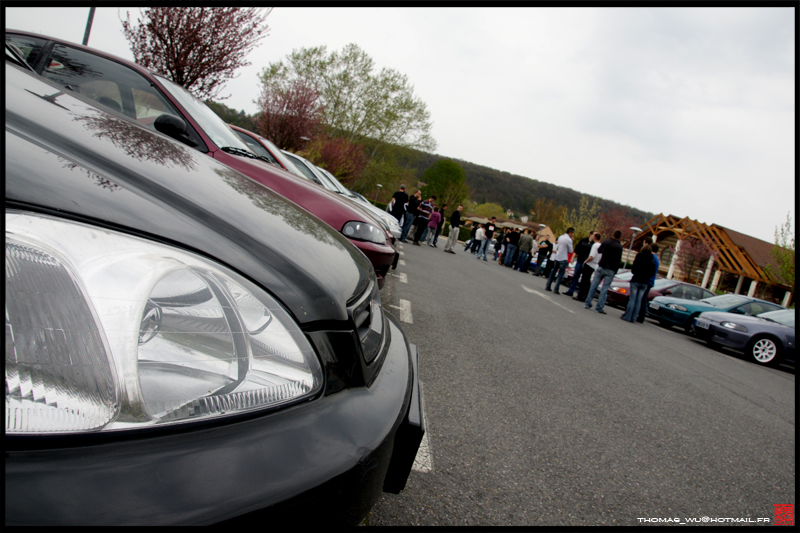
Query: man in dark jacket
x: 511, y: 248
x: 611, y: 250
x: 545, y: 247
x: 455, y: 227
x: 411, y: 214
x: 582, y: 250
x: 643, y: 269
x: 400, y: 200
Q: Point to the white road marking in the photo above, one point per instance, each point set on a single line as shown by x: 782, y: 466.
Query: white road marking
x: 401, y: 262
x: 546, y: 297
x: 401, y: 252
x: 405, y: 311
x: 401, y: 276
x: 423, y: 462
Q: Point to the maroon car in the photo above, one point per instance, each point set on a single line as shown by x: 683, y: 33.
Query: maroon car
x: 620, y: 291
x: 138, y: 94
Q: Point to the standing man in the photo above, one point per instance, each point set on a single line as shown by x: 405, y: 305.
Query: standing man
x: 525, y: 247
x: 410, y: 214
x: 400, y: 200
x: 488, y: 231
x: 611, y: 249
x: 651, y: 282
x: 582, y: 250
x: 545, y: 247
x: 455, y: 227
x: 643, y: 269
x: 561, y: 260
x: 513, y: 242
x: 589, y: 267
x: 440, y: 225
x: 423, y: 216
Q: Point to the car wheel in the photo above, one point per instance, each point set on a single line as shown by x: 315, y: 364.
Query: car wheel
x: 763, y: 351
x: 688, y: 327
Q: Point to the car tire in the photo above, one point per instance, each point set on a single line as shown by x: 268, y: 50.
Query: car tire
x: 688, y: 327
x: 764, y: 351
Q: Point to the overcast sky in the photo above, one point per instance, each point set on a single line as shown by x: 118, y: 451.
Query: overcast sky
x: 689, y: 112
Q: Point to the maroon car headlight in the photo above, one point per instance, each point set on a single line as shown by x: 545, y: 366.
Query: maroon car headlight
x: 361, y: 231
x: 105, y: 332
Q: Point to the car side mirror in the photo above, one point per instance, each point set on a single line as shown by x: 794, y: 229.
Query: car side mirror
x: 174, y: 127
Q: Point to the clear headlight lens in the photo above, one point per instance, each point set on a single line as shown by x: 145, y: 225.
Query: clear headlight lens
x: 105, y: 331
x: 734, y: 326
x: 362, y: 231
x: 677, y: 307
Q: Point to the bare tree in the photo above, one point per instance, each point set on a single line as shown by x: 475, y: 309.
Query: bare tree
x: 199, y: 48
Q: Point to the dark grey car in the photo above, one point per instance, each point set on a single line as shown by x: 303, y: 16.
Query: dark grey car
x: 174, y: 353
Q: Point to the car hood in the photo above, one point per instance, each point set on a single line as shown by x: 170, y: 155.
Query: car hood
x: 67, y: 157
x: 722, y: 316
x: 692, y: 305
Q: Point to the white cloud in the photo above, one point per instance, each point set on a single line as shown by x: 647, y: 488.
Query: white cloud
x: 685, y: 111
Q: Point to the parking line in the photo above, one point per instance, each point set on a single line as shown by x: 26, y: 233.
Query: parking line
x: 546, y: 297
x: 401, y: 276
x: 423, y: 462
x: 405, y: 311
x: 402, y: 262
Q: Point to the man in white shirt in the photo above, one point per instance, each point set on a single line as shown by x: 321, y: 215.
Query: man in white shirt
x: 561, y: 260
x: 589, y: 266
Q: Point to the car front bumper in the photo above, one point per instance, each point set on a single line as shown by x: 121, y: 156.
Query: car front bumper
x: 327, y: 460
x: 667, y: 314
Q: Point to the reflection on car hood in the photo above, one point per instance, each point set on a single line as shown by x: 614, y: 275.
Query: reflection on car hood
x: 65, y: 156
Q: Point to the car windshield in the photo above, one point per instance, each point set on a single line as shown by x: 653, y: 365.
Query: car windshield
x: 214, y: 126
x: 783, y: 316
x: 337, y: 183
x: 726, y: 300
x: 302, y: 167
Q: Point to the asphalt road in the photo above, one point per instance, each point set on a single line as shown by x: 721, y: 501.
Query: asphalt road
x: 540, y: 412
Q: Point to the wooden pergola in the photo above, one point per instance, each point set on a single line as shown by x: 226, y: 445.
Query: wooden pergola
x: 736, y: 253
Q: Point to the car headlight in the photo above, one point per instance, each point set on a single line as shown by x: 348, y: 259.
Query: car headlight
x: 361, y: 231
x: 677, y: 307
x: 105, y: 331
x: 734, y: 326
x: 621, y: 290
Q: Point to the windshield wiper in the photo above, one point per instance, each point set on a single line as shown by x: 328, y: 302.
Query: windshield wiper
x: 238, y: 151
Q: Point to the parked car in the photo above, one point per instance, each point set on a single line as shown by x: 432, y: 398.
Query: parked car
x: 619, y: 292
x: 671, y: 311
x: 167, y: 364
x: 266, y: 148
x: 328, y: 181
x: 767, y: 339
x: 138, y: 94
x: 385, y: 216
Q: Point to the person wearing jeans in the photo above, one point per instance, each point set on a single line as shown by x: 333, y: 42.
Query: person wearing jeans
x: 561, y: 260
x: 643, y: 268
x: 611, y: 254
x: 487, y: 238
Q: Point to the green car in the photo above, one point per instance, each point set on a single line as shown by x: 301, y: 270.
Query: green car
x: 671, y: 311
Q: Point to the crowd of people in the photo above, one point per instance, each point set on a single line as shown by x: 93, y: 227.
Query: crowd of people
x: 597, y: 259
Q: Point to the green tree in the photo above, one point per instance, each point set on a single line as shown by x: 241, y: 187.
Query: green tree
x: 489, y: 210
x: 358, y: 102
x: 584, y: 219
x: 783, y: 254
x: 547, y: 212
x: 445, y: 179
